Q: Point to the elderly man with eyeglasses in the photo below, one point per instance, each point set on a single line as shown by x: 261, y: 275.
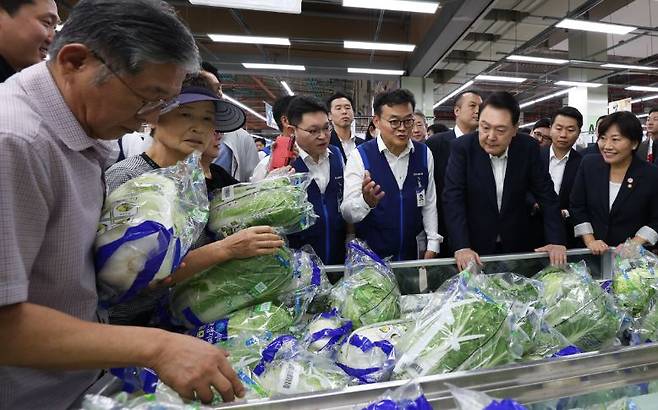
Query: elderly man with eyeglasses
x: 113, y: 66
x: 389, y: 191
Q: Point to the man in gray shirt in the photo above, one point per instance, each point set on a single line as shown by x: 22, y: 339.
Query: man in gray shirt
x: 114, y: 65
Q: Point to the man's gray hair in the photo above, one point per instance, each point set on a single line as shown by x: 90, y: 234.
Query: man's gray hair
x: 126, y: 34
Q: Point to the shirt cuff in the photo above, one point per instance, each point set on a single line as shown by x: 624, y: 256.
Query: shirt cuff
x: 10, y: 294
x: 582, y: 229
x: 434, y: 245
x: 648, y: 234
x: 565, y: 214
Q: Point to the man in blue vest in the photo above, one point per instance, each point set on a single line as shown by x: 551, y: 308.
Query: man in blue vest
x: 389, y: 192
x: 310, y: 121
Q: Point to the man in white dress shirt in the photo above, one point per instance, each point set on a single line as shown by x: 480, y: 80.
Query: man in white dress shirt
x: 389, y: 190
x: 341, y: 114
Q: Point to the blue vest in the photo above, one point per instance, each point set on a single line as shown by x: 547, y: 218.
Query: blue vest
x: 392, y: 227
x: 327, y: 235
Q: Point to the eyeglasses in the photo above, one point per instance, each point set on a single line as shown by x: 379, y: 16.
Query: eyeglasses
x: 317, y: 133
x: 542, y: 137
x: 408, y: 123
x: 148, y: 106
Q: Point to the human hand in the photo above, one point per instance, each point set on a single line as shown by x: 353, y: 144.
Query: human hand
x: 193, y: 368
x: 464, y: 257
x: 254, y: 241
x: 556, y: 253
x: 372, y: 193
x: 597, y: 247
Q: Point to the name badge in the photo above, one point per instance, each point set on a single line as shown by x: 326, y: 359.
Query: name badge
x: 420, y: 198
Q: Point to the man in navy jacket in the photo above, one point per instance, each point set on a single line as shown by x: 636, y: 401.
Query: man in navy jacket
x: 488, y: 177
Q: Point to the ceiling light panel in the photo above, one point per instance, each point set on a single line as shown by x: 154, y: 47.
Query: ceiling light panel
x: 642, y: 88
x: 595, y: 26
x: 239, y: 104
x: 578, y: 84
x: 452, y: 94
x: 539, y: 60
x: 629, y: 67
x: 259, y: 66
x: 502, y: 79
x: 363, y: 45
x: 276, y: 6
x: 395, y: 5
x: 228, y: 38
x: 287, y: 88
x: 354, y: 70
x: 547, y: 97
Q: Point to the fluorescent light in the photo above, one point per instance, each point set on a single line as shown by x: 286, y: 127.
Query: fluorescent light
x: 540, y: 60
x: 547, y: 97
x: 578, y: 84
x: 259, y: 66
x: 239, y: 104
x: 530, y: 124
x: 642, y: 115
x: 642, y: 88
x: 652, y: 97
x: 364, y: 45
x: 452, y: 94
x: 287, y: 88
x: 277, y: 6
x: 229, y: 38
x: 595, y: 26
x: 630, y: 67
x: 395, y: 5
x: 374, y: 71
x: 496, y: 78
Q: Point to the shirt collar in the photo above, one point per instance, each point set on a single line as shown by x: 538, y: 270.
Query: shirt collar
x: 306, y: 157
x: 352, y: 136
x: 504, y: 156
x: 458, y: 131
x: 382, y: 147
x: 552, y: 155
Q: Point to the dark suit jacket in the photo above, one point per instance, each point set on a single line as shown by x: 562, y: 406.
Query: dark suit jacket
x: 568, y: 178
x: 335, y: 141
x: 469, y: 198
x: 439, y: 144
x: 636, y: 204
x: 592, y: 148
x: 643, y: 150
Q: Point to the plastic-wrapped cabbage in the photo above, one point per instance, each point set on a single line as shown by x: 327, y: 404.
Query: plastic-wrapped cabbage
x: 645, y: 329
x: 369, y: 353
x: 407, y: 397
x: 214, y: 293
x: 546, y: 342
x: 309, y: 280
x: 466, y: 399
x: 578, y: 308
x: 147, y: 226
x: 280, y: 202
x: 463, y: 329
x: 635, y: 278
x: 412, y: 305
x: 369, y: 292
x: 326, y: 332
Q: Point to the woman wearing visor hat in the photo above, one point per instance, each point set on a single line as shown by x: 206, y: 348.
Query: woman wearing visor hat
x: 186, y: 125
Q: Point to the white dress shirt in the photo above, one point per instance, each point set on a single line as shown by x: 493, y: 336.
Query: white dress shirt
x: 458, y: 131
x: 354, y: 208
x: 556, y: 168
x: 499, y: 167
x: 348, y: 145
x: 319, y: 171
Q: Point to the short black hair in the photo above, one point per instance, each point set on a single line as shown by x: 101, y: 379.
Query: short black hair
x: 261, y: 140
x: 206, y: 66
x: 570, y: 112
x: 629, y: 125
x: 437, y: 127
x: 542, y: 123
x: 300, y: 105
x: 12, y: 6
x: 525, y: 130
x: 654, y: 109
x: 391, y: 98
x: 462, y: 94
x: 337, y: 95
x: 280, y: 109
x: 503, y: 101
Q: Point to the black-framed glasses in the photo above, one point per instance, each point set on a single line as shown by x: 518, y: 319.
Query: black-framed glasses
x: 316, y: 133
x: 408, y: 123
x: 148, y: 106
x: 542, y: 137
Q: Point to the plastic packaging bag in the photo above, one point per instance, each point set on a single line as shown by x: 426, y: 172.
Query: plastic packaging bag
x: 474, y: 400
x: 412, y: 305
x: 578, y: 308
x: 326, y: 332
x: 635, y: 278
x: 279, y: 201
x: 309, y: 280
x: 147, y: 226
x: 369, y: 292
x: 214, y: 293
x: 369, y: 354
x: 461, y: 329
x: 407, y: 397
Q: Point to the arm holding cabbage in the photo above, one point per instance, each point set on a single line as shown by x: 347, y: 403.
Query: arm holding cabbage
x: 39, y: 337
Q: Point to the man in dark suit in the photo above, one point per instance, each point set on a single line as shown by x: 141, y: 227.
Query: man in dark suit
x: 341, y: 115
x: 466, y: 110
x: 593, y: 147
x: 488, y: 176
x: 562, y: 161
x: 648, y: 149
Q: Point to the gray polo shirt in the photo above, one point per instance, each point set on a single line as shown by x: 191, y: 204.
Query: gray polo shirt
x: 51, y: 194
